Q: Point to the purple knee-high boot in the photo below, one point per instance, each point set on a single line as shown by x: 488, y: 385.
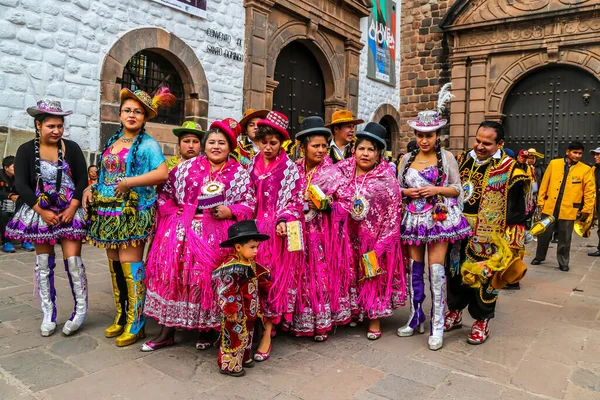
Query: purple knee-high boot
x: 416, y: 288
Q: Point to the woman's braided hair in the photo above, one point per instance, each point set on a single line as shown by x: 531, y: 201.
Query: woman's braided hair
x: 46, y: 199
x: 134, y: 147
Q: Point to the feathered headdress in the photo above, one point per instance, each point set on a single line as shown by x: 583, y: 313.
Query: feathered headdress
x: 162, y: 98
x: 444, y: 96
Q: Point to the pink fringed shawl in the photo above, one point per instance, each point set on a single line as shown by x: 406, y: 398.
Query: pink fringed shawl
x: 379, y: 231
x: 279, y: 195
x: 325, y: 267
x: 186, y: 247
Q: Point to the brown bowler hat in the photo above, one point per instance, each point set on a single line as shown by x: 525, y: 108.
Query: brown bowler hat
x: 343, y: 117
x: 251, y: 113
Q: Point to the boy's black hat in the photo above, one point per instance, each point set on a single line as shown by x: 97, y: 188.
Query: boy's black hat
x: 241, y: 231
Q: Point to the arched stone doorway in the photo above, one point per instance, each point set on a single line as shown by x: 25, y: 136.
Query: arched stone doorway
x: 493, y: 44
x: 389, y: 117
x: 334, y: 39
x: 179, y: 54
x: 301, y: 89
x: 552, y: 106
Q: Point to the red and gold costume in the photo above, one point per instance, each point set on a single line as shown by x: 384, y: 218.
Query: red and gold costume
x: 497, y: 208
x: 240, y: 286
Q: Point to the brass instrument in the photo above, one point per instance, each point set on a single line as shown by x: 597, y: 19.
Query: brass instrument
x: 584, y: 228
x: 540, y: 227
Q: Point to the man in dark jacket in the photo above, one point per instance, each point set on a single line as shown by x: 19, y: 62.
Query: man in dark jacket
x: 596, y: 153
x: 8, y: 198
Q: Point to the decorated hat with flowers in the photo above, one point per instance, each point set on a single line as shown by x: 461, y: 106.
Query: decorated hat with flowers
x: 162, y: 98
x: 229, y: 127
x: 278, y: 122
x: 429, y: 120
x: 48, y: 107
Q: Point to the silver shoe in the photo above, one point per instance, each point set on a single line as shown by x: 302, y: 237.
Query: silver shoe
x: 407, y: 331
x: 435, y: 342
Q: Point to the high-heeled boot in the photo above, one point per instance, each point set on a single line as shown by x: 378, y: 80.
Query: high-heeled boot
x: 120, y: 297
x: 416, y: 288
x: 136, y: 296
x: 44, y: 274
x: 437, y: 282
x: 78, y: 281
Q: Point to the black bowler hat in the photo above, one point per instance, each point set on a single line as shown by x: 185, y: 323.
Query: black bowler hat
x: 374, y: 131
x: 241, y: 231
x: 313, y: 126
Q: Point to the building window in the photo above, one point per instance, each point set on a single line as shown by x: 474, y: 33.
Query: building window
x: 148, y: 71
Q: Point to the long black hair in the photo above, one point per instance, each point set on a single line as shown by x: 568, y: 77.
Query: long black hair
x: 37, y: 161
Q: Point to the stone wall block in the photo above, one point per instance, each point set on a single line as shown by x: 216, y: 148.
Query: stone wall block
x: 83, y: 56
x: 13, y: 49
x: 64, y: 39
x: 55, y: 89
x: 45, y: 40
x: 55, y: 58
x: 17, y: 17
x: 32, y: 53
x: 7, y: 30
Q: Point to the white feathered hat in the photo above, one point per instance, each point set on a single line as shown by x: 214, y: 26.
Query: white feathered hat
x: 429, y: 120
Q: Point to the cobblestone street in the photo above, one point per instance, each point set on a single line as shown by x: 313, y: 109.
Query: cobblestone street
x: 544, y: 344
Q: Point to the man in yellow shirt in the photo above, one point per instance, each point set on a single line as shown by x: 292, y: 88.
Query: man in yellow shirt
x: 567, y: 189
x: 596, y: 172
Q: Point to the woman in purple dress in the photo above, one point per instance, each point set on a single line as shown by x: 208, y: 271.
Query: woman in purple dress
x: 433, y: 218
x: 50, y: 176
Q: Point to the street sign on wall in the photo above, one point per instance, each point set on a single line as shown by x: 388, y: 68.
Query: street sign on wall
x: 381, y: 65
x: 194, y: 7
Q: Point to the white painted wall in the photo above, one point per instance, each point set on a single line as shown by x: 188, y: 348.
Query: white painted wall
x: 372, y: 94
x: 55, y: 49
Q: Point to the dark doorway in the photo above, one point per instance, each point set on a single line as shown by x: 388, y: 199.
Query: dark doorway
x: 552, y: 107
x: 301, y: 89
x: 149, y: 71
x: 391, y: 128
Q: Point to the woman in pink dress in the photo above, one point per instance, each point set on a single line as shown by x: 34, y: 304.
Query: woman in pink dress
x: 201, y: 199
x: 313, y: 316
x: 280, y: 201
x: 371, y: 206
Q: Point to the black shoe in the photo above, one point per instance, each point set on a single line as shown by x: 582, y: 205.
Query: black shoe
x: 512, y: 286
x: 535, y: 261
x: 236, y: 374
x: 594, y: 254
x: 249, y: 364
x: 564, y: 268
x: 554, y: 241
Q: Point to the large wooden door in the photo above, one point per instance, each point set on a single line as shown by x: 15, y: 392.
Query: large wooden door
x: 301, y: 89
x: 552, y: 107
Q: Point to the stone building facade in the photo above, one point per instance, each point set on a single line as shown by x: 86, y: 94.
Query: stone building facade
x: 80, y: 52
x: 531, y: 64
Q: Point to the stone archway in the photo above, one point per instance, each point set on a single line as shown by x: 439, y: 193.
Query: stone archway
x: 525, y: 65
x: 329, y: 62
x: 334, y: 38
x: 178, y: 53
x: 391, y: 116
x: 492, y: 44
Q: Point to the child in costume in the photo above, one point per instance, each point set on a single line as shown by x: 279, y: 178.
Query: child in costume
x: 240, y: 284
